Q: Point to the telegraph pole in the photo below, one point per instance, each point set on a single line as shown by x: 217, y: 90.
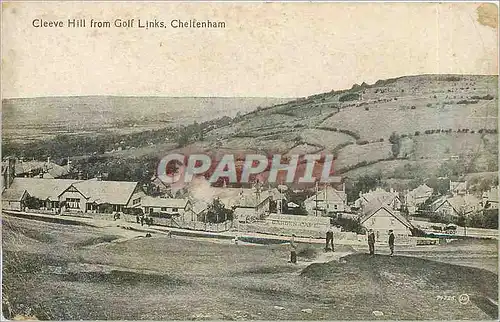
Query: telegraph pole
x: 316, y: 196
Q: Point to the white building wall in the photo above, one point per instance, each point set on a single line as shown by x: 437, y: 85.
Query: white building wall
x: 382, y: 221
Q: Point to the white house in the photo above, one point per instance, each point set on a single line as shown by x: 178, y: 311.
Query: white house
x: 326, y: 201
x: 383, y: 218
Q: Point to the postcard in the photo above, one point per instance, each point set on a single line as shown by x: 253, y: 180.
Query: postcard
x: 249, y: 160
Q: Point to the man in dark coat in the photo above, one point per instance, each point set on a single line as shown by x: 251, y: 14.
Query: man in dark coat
x: 293, y: 250
x: 329, y: 240
x: 391, y: 242
x: 371, y: 242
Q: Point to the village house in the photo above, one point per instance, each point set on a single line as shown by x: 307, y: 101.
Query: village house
x: 382, y: 218
x: 251, y: 207
x: 417, y: 197
x: 458, y: 188
x: 388, y: 198
x: 490, y: 198
x: 36, y: 169
x: 45, y: 190
x: 453, y: 207
x: 14, y: 199
x: 93, y: 195
x: 327, y: 200
x: 168, y: 207
x: 67, y: 195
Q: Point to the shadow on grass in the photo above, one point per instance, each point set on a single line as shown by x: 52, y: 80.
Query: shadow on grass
x: 123, y: 277
x: 96, y: 240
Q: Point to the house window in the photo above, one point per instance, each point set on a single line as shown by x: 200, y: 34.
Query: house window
x: 73, y: 203
x: 164, y: 208
x: 136, y: 201
x: 373, y: 221
x: 175, y: 209
x: 336, y: 207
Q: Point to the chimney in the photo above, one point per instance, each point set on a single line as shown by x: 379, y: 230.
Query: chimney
x: 48, y: 159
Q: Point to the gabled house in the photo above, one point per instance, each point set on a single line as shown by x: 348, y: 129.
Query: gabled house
x: 388, y: 198
x: 458, y: 205
x: 14, y: 199
x: 259, y: 206
x: 94, y: 195
x: 382, y: 218
x: 45, y: 190
x: 327, y: 200
x: 168, y: 207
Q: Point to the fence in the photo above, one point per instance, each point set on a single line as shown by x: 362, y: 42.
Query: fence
x: 299, y: 231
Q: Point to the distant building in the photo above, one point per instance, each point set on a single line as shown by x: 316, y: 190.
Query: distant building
x: 458, y: 205
x: 490, y: 198
x: 327, y: 200
x: 458, y: 188
x: 181, y: 208
x: 417, y: 197
x: 382, y: 218
x: 250, y: 207
x: 387, y: 198
x: 37, y: 169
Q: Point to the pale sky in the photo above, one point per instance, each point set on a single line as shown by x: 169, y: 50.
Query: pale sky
x: 266, y: 49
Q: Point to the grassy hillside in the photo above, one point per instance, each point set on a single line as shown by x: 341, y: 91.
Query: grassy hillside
x: 438, y: 117
x: 440, y: 121
x: 32, y: 118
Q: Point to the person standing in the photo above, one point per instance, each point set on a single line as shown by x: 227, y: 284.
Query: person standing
x: 329, y: 240
x: 371, y: 242
x: 391, y: 241
x: 293, y: 250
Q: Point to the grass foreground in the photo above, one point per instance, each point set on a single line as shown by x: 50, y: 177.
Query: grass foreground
x: 60, y: 272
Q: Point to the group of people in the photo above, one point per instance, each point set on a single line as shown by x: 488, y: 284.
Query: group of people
x: 144, y: 220
x: 371, y: 241
x: 330, y: 247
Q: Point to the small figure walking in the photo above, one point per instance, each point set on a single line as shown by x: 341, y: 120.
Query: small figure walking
x: 391, y: 242
x: 329, y: 240
x: 142, y: 220
x: 371, y: 242
x: 293, y: 250
x: 137, y: 219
